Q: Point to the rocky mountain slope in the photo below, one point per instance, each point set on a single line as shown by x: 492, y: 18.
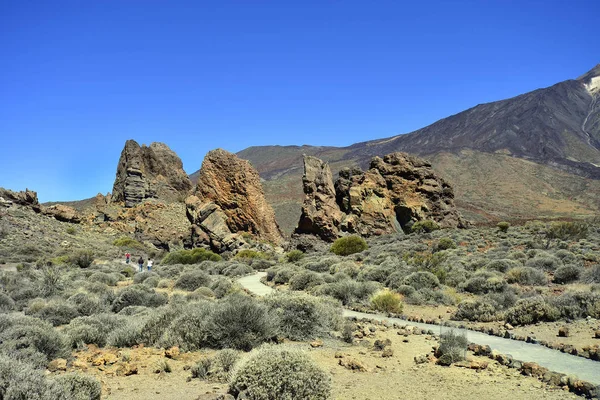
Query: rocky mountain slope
x: 537, y: 154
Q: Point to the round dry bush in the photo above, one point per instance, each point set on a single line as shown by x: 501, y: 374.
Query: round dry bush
x: 6, y: 303
x: 544, y: 263
x: 422, y: 280
x: 58, y: 312
x: 305, y: 280
x: 592, y: 275
x: 202, y: 293
x: 279, y: 373
x: 484, y: 282
x: 302, y: 316
x: 567, y: 273
x: 93, y: 330
x: 87, y: 304
x: 102, y: 277
x: 478, y: 311
x: 142, y: 276
x: 222, y: 286
x: 242, y: 323
x: 192, y: 280
x: 527, y: 276
x: 79, y: 387
x: 502, y: 265
x: 531, y: 310
x: 31, y: 339
x: 138, y: 295
x: 20, y: 381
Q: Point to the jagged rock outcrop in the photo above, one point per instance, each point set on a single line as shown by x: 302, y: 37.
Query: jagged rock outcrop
x: 321, y: 215
x: 145, y: 172
x: 24, y: 198
x: 62, y: 213
x: 228, y: 201
x: 28, y: 198
x: 396, y: 191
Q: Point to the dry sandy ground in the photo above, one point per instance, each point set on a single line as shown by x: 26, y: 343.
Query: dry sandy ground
x: 397, y: 377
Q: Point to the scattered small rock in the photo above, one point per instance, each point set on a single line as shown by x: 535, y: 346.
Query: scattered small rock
x: 563, y: 331
x: 173, y: 352
x: 387, y: 352
x: 60, y: 364
x: 352, y: 364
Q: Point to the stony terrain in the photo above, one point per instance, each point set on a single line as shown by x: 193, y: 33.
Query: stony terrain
x: 529, y: 156
x: 397, y: 191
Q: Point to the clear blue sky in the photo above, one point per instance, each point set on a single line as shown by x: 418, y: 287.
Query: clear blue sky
x: 78, y: 78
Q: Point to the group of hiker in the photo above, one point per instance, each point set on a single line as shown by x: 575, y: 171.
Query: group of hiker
x: 140, y: 262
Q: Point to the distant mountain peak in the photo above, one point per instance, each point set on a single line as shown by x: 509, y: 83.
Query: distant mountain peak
x: 588, y: 76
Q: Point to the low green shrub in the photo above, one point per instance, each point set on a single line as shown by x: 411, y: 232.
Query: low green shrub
x: 422, y: 279
x: 88, y: 304
x: 302, y: 316
x: 527, y: 276
x: 249, y: 254
x: 574, y: 230
x: 128, y: 242
x: 503, y: 226
x: 544, y: 263
x: 294, y: 255
x: 567, y: 273
x: 445, y: 244
x: 347, y: 245
x: 142, y: 276
x: 388, y: 302
x: 192, y: 280
x: 57, y: 312
x: 531, y: 310
x: 193, y: 256
x: 305, y: 280
x: 6, y: 303
x: 103, y: 277
x: 592, y: 275
x: 79, y: 387
x: 31, y: 340
x: 93, y: 330
x: 82, y: 258
x: 453, y: 347
x: 279, y: 373
x: 138, y: 295
x: 477, y: 311
x: 425, y: 226
x: 484, y: 282
x: 348, y: 291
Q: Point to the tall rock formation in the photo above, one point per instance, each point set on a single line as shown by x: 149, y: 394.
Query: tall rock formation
x: 229, y: 200
x: 396, y: 191
x: 145, y: 172
x: 321, y: 215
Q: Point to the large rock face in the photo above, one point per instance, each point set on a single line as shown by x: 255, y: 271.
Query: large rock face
x: 229, y: 200
x: 321, y: 215
x: 144, y: 172
x: 395, y: 192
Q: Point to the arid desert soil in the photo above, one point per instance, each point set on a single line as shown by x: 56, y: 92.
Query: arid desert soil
x: 395, y: 377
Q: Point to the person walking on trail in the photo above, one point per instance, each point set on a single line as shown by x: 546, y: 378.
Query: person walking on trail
x: 127, y: 257
x: 150, y: 262
x: 141, y: 263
